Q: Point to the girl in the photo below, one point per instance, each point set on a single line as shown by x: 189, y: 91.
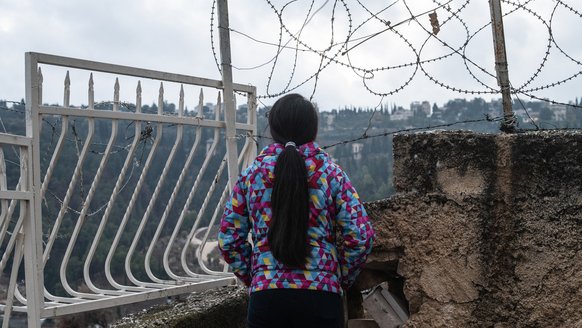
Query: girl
x: 293, y: 199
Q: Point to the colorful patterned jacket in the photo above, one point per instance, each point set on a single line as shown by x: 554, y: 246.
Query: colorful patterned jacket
x: 334, y: 205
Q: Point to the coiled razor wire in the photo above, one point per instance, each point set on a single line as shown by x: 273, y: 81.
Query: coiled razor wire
x: 337, y: 52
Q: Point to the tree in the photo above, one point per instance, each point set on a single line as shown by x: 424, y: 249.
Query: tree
x: 546, y: 114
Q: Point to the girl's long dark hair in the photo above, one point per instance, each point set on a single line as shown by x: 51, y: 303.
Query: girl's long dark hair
x: 292, y: 118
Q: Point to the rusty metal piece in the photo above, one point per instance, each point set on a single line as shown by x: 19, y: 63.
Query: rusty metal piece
x: 434, y: 22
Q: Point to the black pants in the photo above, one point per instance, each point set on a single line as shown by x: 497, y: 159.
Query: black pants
x: 276, y: 308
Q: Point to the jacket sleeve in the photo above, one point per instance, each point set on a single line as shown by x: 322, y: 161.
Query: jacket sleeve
x: 232, y: 237
x: 355, y: 228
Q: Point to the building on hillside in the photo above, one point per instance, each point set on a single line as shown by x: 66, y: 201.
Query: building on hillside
x: 422, y: 108
x: 533, y: 116
x: 436, y: 113
x: 327, y: 119
x: 401, y: 114
x: 559, y: 111
x: 357, y: 150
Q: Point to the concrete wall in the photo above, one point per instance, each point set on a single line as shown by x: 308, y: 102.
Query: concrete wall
x: 485, y: 231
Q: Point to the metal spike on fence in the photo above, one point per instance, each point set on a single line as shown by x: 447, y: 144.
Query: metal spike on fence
x: 218, y: 106
x: 161, y: 99
x: 181, y: 102
x: 116, y: 95
x: 67, y: 96
x: 200, y: 104
x: 138, y: 97
x: 40, y: 80
x: 91, y: 92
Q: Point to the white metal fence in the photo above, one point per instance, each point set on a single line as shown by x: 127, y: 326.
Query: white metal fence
x: 105, y: 221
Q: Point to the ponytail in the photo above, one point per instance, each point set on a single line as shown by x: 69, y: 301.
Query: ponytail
x: 290, y: 209
x: 292, y: 119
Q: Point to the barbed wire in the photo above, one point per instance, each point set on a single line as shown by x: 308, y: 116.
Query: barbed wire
x: 487, y: 119
x: 372, y: 116
x: 101, y: 207
x: 136, y: 163
x: 21, y: 102
x: 413, y: 129
x: 338, y: 52
x: 78, y: 142
x: 215, y: 55
x: 532, y: 121
x: 11, y: 109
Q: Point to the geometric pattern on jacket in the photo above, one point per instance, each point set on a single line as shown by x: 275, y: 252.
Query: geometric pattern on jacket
x: 334, y: 206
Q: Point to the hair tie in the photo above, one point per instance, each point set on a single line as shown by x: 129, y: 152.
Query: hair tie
x: 290, y: 143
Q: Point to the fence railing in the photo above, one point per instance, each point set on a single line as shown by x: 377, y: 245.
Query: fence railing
x: 15, y: 205
x: 119, y: 202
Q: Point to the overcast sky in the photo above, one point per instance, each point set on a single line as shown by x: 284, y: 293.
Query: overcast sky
x: 174, y: 36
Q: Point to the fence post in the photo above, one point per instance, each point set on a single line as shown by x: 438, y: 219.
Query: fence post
x: 33, y: 265
x: 229, y: 110
x: 508, y: 124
